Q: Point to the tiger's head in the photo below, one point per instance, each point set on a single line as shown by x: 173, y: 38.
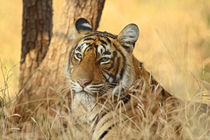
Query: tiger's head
x: 100, y: 61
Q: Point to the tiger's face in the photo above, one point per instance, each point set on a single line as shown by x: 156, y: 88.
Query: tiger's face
x: 100, y: 61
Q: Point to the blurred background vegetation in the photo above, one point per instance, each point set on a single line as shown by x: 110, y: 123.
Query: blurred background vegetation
x: 174, y: 41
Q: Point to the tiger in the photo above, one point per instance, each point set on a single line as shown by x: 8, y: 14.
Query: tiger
x: 102, y: 66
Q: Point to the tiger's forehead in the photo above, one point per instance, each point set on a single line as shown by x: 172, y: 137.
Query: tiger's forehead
x: 100, y: 37
x: 101, y: 34
x: 102, y: 41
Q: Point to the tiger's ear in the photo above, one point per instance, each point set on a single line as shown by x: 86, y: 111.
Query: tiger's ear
x: 128, y: 37
x: 83, y: 25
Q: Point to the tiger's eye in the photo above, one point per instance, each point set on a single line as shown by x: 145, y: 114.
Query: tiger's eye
x: 104, y: 60
x: 78, y: 56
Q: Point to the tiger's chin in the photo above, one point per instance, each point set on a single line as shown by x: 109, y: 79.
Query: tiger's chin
x: 82, y: 105
x: 84, y: 98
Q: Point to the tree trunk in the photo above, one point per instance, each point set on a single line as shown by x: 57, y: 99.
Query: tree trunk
x: 36, y: 35
x: 49, y: 81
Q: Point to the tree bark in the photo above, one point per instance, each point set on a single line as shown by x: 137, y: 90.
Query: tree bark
x: 49, y: 81
x: 36, y: 35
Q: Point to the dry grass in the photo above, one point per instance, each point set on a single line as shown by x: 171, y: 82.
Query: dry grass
x: 174, y: 45
x: 188, y: 120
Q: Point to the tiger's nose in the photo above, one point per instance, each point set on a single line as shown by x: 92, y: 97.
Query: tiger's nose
x: 84, y: 82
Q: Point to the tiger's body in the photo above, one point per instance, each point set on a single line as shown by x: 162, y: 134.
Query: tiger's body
x: 102, y: 71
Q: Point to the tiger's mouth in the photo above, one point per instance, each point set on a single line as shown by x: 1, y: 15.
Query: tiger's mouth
x: 91, y: 89
x: 97, y: 90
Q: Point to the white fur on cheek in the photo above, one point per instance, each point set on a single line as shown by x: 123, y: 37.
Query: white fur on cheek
x: 84, y: 98
x: 82, y: 106
x: 127, y: 79
x: 81, y: 98
x: 76, y: 87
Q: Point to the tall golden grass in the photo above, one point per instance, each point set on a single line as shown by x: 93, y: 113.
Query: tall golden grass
x: 174, y: 45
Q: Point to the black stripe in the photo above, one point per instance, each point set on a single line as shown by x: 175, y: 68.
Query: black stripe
x: 163, y: 92
x: 153, y: 81
x: 110, y: 75
x: 78, y: 48
x: 117, y: 67
x: 88, y: 38
x: 107, y: 80
x: 105, y: 37
x: 126, y: 98
x: 108, y: 129
x: 89, y: 44
x: 96, y: 46
x: 122, y: 70
x: 141, y: 65
x: 102, y: 41
x: 107, y: 53
x: 108, y: 40
x: 107, y: 34
x: 126, y: 47
x: 102, y: 34
x: 113, y: 59
x: 105, y: 132
x: 96, y: 52
x: 74, y: 47
x: 124, y: 61
x: 70, y: 54
x: 89, y: 35
x: 103, y: 46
